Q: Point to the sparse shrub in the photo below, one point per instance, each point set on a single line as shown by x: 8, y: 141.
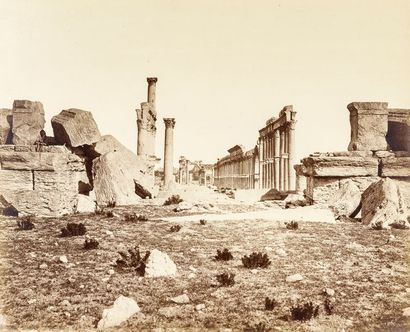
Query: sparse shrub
x: 223, y: 255
x: 133, y: 260
x: 260, y: 327
x: 135, y: 217
x: 90, y: 244
x: 174, y: 199
x: 255, y: 260
x: 175, y: 228
x: 304, y: 312
x: 226, y: 279
x: 328, y: 306
x: 111, y: 204
x: 73, y: 229
x: 109, y: 214
x: 25, y: 224
x: 378, y: 226
x: 293, y: 225
x: 270, y: 304
x: 203, y: 222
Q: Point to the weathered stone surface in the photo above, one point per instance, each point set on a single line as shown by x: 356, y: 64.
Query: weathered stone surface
x: 383, y: 206
x: 160, y: 265
x: 75, y: 127
x: 108, y: 143
x: 395, y: 167
x: 42, y: 184
x: 122, y: 309
x: 85, y: 204
x: 340, y: 166
x: 346, y: 200
x: 369, y: 124
x: 6, y: 148
x: 6, y: 124
x: 319, y: 190
x: 120, y: 177
x: 28, y: 121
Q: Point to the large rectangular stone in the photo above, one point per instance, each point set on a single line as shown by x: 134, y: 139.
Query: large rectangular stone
x: 395, y: 167
x: 340, y: 166
x: 11, y: 180
x: 28, y: 120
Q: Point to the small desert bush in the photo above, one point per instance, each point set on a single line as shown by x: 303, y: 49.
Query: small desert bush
x: 25, y: 224
x: 174, y: 199
x: 260, y: 327
x: 175, y: 228
x: 293, y: 225
x: 255, y: 260
x: 90, y: 244
x: 270, y: 304
x: 73, y: 229
x: 133, y: 260
x: 135, y: 217
x: 202, y: 222
x: 226, y: 279
x: 223, y: 255
x: 328, y: 306
x: 304, y: 312
x: 109, y: 214
x: 111, y: 204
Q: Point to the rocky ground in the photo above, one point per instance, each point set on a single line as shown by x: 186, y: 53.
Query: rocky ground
x: 362, y: 273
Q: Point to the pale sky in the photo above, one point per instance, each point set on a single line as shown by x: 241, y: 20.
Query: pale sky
x: 223, y: 66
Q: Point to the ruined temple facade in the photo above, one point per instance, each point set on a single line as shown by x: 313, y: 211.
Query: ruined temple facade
x: 269, y: 164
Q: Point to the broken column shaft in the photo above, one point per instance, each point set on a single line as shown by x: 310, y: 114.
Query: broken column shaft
x: 169, y: 151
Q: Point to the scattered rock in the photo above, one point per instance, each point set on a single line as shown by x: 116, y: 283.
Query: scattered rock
x: 65, y: 303
x: 294, y: 278
x: 75, y: 128
x: 181, y: 299
x: 85, y: 204
x: 170, y: 312
x: 109, y: 233
x: 43, y: 266
x: 346, y: 200
x: 200, y: 307
x: 122, y: 309
x: 28, y: 120
x: 63, y: 259
x: 383, y: 206
x: 406, y: 312
x: 329, y: 292
x: 159, y: 265
x: 191, y: 276
x: 183, y: 206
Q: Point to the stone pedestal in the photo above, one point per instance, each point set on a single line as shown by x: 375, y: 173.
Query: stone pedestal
x: 169, y: 151
x: 369, y: 124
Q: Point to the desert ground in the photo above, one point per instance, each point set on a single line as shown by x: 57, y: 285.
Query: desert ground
x: 357, y: 276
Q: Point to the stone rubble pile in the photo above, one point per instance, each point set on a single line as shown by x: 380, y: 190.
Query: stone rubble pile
x: 78, y: 172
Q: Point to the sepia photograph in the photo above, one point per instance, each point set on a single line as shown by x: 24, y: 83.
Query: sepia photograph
x: 205, y: 165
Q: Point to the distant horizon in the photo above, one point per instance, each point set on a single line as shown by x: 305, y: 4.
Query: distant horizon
x: 223, y: 68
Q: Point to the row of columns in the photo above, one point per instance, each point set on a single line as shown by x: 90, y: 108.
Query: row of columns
x: 239, y: 174
x: 277, y: 150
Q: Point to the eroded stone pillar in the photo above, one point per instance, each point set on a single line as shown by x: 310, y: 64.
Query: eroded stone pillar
x: 291, y: 155
x: 169, y: 151
x: 369, y: 124
x: 276, y: 156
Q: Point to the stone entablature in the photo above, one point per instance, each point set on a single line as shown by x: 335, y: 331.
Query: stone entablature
x: 277, y: 151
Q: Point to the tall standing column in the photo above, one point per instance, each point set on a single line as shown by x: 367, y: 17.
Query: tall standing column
x: 187, y: 179
x: 152, y: 85
x: 169, y: 151
x: 291, y: 155
x: 277, y: 159
x: 282, y: 161
x: 260, y: 152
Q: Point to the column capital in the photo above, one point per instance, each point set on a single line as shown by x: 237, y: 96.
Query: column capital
x: 169, y: 122
x: 152, y: 80
x: 292, y: 125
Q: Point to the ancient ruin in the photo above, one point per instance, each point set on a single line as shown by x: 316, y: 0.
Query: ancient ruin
x: 195, y: 172
x: 169, y: 152
x: 269, y: 165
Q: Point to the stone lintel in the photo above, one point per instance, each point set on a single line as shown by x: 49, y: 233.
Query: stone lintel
x: 367, y: 106
x: 399, y: 115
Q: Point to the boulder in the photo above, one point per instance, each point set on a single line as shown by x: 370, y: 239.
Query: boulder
x: 159, y: 265
x: 122, y: 309
x: 383, y: 206
x: 184, y: 206
x: 120, y: 176
x: 181, y: 299
x: 85, y: 204
x: 75, y: 128
x: 28, y: 121
x: 346, y: 200
x: 6, y: 124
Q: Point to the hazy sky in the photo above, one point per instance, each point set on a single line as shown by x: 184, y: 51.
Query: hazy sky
x: 223, y: 66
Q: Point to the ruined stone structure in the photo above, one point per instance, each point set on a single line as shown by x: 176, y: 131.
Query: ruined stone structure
x: 269, y: 164
x: 277, y: 151
x: 169, y: 152
x: 238, y: 170
x: 379, y: 148
x: 146, y: 122
x: 195, y: 172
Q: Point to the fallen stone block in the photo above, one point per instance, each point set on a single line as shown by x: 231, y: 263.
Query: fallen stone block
x: 108, y: 143
x: 120, y: 177
x: 85, y: 204
x: 75, y: 128
x: 159, y: 264
x: 6, y: 124
x: 346, y: 200
x: 122, y: 309
x: 395, y: 167
x: 383, y: 206
x: 28, y: 121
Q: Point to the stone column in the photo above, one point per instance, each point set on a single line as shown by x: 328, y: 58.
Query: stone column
x: 169, y: 151
x: 270, y: 165
x: 187, y: 179
x: 260, y: 163
x: 300, y: 183
x: 277, y: 160
x: 291, y: 155
x: 152, y: 82
x: 282, y: 161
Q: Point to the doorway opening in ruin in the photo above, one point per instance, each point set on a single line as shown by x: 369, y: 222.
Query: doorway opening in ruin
x: 398, y: 136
